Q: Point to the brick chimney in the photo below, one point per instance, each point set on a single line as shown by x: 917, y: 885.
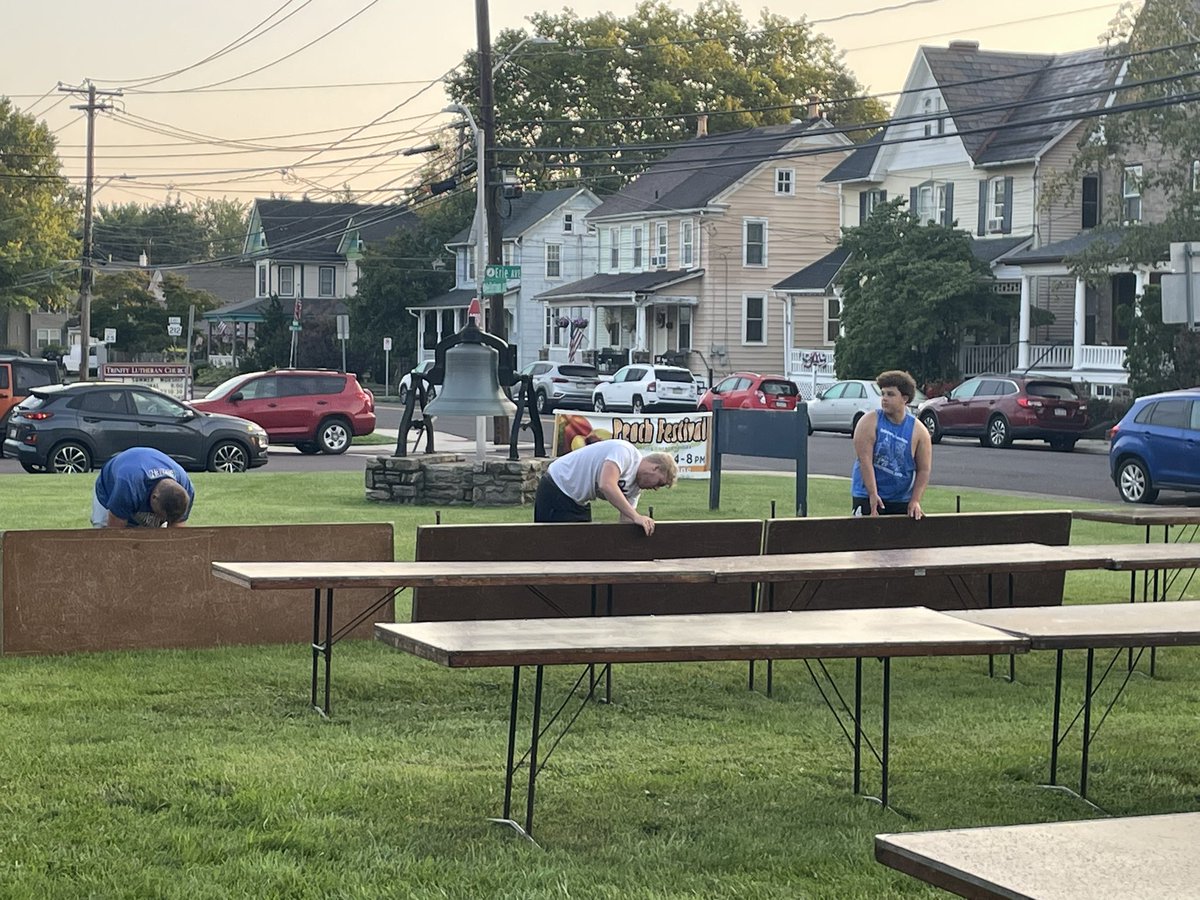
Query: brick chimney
x: 964, y: 46
x: 701, y: 126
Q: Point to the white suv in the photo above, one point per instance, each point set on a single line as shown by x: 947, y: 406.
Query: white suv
x: 642, y: 386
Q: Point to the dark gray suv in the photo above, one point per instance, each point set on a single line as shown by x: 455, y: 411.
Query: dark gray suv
x: 78, y: 427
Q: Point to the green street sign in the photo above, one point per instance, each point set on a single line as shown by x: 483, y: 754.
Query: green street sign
x: 295, y: 326
x: 497, y: 279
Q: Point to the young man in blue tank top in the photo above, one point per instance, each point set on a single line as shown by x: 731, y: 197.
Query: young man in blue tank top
x: 893, y: 454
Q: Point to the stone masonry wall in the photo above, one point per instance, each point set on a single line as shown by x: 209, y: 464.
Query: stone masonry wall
x: 448, y: 479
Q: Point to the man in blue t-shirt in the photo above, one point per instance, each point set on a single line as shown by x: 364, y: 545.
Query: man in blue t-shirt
x: 893, y: 454
x: 141, y: 488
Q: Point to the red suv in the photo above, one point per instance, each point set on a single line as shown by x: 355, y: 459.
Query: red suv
x: 315, y: 409
x: 998, y: 408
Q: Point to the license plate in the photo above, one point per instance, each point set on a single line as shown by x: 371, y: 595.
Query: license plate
x: 781, y: 404
x: 1060, y: 412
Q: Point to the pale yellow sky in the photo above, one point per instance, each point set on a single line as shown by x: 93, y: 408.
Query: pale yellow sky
x: 405, y: 43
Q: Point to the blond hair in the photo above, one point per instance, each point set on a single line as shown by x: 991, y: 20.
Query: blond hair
x: 665, y: 463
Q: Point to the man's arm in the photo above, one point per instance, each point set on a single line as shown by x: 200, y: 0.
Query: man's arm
x: 610, y: 489
x: 114, y: 521
x: 864, y: 449
x: 923, y: 456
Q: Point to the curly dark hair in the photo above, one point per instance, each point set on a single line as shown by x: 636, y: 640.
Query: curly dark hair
x: 901, y: 381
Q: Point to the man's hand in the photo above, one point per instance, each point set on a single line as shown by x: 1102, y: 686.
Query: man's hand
x: 875, y: 502
x: 647, y: 524
x: 914, y: 510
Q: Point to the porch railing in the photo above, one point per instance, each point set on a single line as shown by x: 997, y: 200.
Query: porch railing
x: 1000, y: 358
x: 811, y: 369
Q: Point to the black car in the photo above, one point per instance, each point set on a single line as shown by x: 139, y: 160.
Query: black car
x: 78, y: 427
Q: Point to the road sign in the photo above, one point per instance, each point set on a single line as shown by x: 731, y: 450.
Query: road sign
x: 497, y: 279
x: 387, y: 343
x: 475, y: 312
x: 110, y: 335
x: 343, y: 328
x: 295, y: 326
x: 174, y: 329
x: 174, y: 320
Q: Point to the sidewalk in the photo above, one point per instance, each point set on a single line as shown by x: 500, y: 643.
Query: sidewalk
x: 443, y: 442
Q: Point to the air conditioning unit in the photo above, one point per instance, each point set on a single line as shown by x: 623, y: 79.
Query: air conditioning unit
x: 658, y: 262
x: 995, y: 225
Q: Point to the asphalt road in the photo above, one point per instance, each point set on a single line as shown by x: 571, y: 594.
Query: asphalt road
x: 1025, y: 467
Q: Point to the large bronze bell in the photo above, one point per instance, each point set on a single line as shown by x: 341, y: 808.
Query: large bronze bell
x: 472, y: 384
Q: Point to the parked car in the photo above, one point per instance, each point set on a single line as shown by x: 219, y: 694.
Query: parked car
x: 562, y: 385
x: 998, y: 409
x: 19, y: 374
x: 842, y: 404
x: 749, y: 390
x: 406, y: 382
x: 318, y: 410
x: 642, y: 386
x: 77, y: 427
x: 1156, y: 446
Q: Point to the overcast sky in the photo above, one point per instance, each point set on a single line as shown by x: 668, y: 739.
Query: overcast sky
x: 408, y: 44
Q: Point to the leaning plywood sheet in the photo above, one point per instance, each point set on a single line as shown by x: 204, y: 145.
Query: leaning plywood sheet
x: 122, y: 589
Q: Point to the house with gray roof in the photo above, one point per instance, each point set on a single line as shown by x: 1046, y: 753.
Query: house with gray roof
x: 545, y: 234
x: 976, y: 138
x: 688, y: 252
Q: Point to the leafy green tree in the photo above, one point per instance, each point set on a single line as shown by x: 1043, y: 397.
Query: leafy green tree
x: 396, y: 275
x: 614, y: 81
x: 1163, y: 138
x: 125, y: 301
x: 39, y: 213
x: 910, y: 294
x: 171, y: 232
x: 224, y: 222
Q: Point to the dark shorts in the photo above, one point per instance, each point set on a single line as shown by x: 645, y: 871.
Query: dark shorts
x: 552, y: 505
x: 859, y: 507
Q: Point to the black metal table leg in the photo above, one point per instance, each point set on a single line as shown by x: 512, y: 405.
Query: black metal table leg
x: 321, y: 648
x: 1012, y: 658
x: 328, y: 649
x: 533, y: 751
x: 887, y: 729
x: 858, y: 724
x: 1057, y: 718
x: 512, y: 743
x: 316, y: 645
x: 1087, y: 723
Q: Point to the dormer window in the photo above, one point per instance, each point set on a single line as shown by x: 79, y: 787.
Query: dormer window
x: 785, y: 182
x: 568, y: 223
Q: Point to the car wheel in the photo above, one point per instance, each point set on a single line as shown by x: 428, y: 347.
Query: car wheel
x: 333, y: 436
x: 69, y: 458
x: 854, y: 423
x: 638, y: 406
x: 308, y: 448
x: 598, y: 404
x: 1062, y: 444
x: 1133, y: 482
x: 543, y: 403
x: 32, y: 468
x: 402, y: 395
x: 929, y: 420
x: 997, y: 434
x: 228, y: 456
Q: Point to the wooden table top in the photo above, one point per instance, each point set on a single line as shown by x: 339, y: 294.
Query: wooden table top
x: 1160, y: 555
x: 1170, y: 623
x: 904, y: 631
x: 457, y: 573
x: 1132, y: 857
x: 915, y: 561
x: 1141, y: 515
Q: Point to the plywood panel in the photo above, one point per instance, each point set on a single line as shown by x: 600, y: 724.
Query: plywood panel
x: 122, y: 589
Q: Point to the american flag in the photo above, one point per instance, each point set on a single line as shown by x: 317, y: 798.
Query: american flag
x: 222, y: 328
x: 576, y: 343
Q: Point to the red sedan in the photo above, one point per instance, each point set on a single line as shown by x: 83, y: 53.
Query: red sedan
x: 748, y: 390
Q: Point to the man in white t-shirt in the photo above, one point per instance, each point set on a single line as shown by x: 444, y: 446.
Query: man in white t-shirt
x: 612, y: 469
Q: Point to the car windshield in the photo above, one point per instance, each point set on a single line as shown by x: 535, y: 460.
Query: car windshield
x: 673, y: 375
x: 224, y: 388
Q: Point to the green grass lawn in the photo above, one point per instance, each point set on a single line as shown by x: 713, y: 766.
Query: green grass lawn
x: 198, y: 774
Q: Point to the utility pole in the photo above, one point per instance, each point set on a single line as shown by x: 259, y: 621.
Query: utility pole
x: 487, y: 126
x: 86, y: 274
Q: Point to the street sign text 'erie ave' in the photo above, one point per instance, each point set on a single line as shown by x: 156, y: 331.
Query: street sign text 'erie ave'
x: 498, y: 279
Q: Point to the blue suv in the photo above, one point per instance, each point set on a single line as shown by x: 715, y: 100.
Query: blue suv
x: 1156, y: 446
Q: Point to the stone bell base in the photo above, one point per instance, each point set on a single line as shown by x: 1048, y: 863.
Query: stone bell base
x: 449, y: 479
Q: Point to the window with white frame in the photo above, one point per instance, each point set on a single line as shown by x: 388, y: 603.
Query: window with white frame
x: 638, y: 245
x: 510, y: 253
x: 931, y: 202
x: 287, y: 281
x: 867, y: 201
x: 568, y: 223
x: 833, y: 319
x: 687, y: 247
x: 470, y: 264
x: 996, y: 206
x: 754, y: 320
x: 1131, y: 194
x: 263, y: 287
x: 548, y: 335
x: 785, y: 182
x: 614, y: 249
x: 1196, y: 176
x: 685, y: 328
x: 48, y: 336
x: 553, y: 260
x: 934, y: 123
x: 754, y: 242
x: 658, y: 259
x: 325, y: 281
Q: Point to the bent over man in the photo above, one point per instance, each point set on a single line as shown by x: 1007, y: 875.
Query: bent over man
x: 141, y: 488
x: 893, y: 454
x: 612, y: 469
